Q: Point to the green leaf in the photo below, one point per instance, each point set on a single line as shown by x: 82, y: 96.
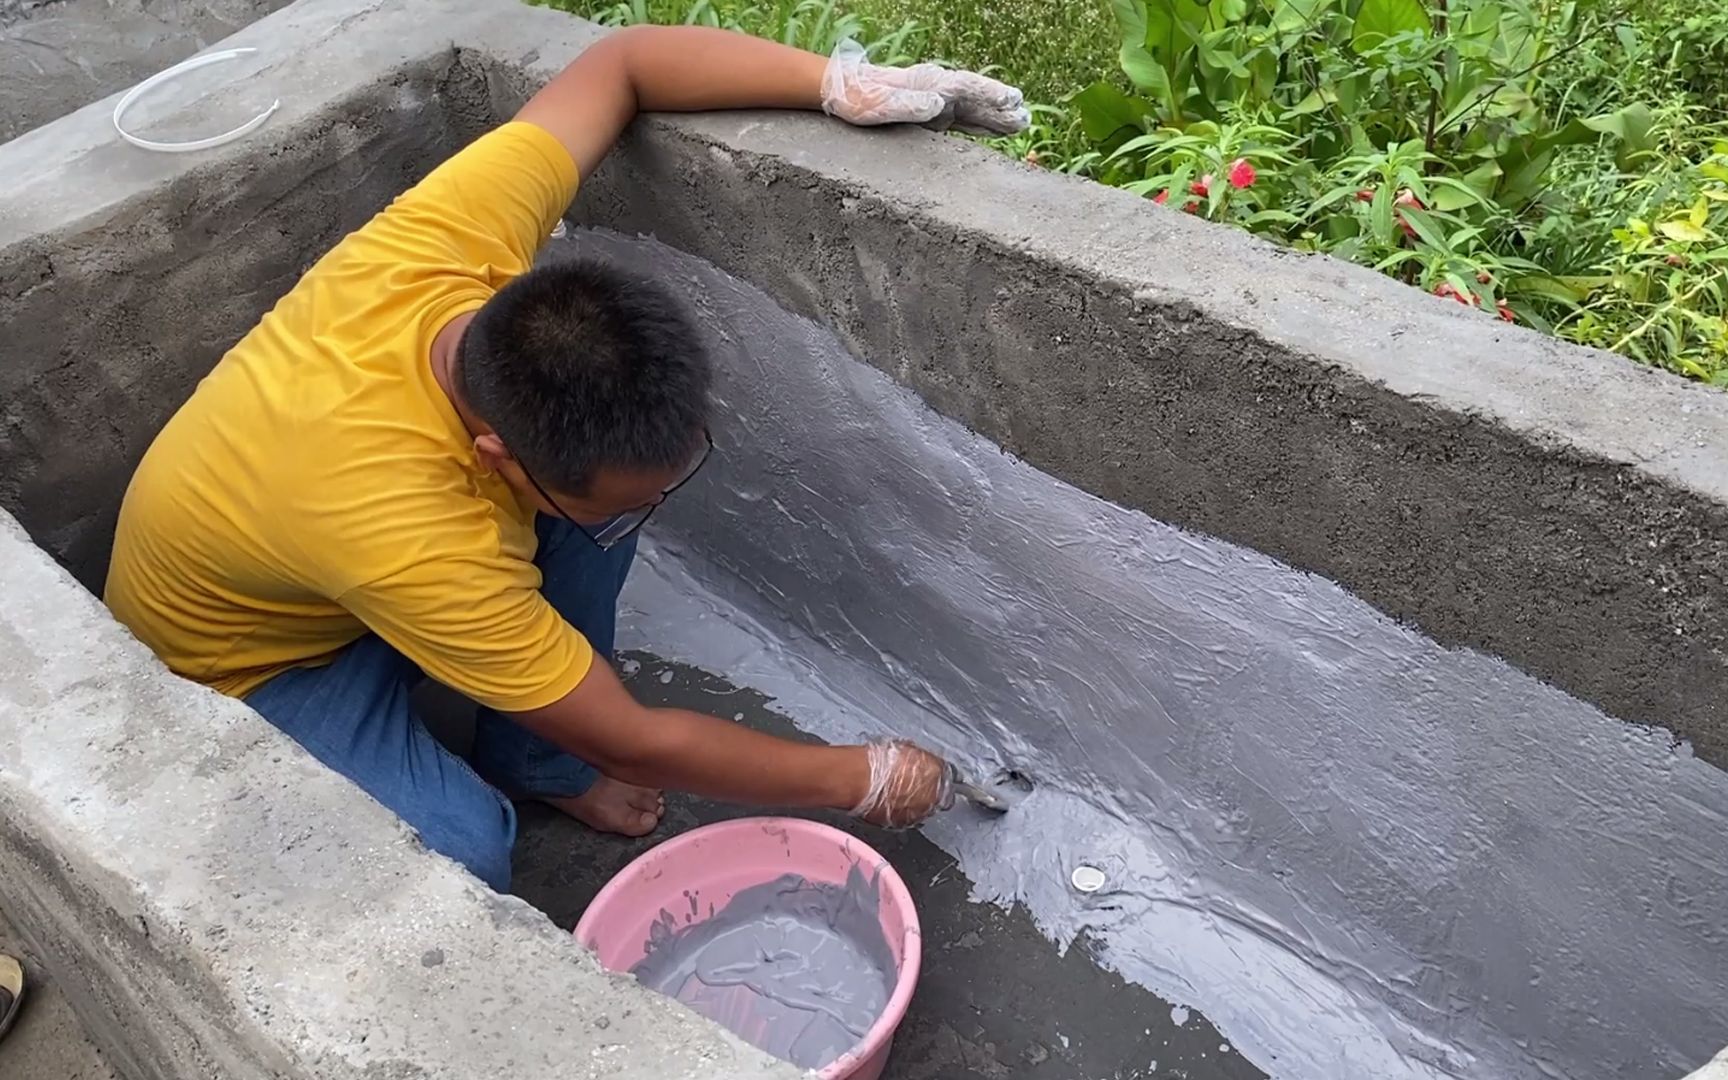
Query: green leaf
x: 1525, y: 162
x: 1453, y: 197
x: 1380, y: 214
x: 1106, y: 113
x: 1683, y: 230
x: 1381, y: 19
x: 1465, y: 288
x: 1131, y: 20
x: 1145, y: 27
x: 1633, y: 126
x: 1426, y: 229
x: 1139, y: 142
x: 1566, y: 290
x: 1337, y: 194
x: 1298, y: 16
x: 1319, y: 99
x: 1146, y: 73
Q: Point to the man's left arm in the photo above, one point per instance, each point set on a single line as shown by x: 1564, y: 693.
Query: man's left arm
x: 693, y: 69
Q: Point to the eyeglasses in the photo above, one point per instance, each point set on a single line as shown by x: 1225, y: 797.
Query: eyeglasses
x: 621, y: 527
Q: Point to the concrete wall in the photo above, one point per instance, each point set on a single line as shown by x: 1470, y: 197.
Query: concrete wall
x: 116, y: 310
x: 57, y: 55
x: 1553, y: 506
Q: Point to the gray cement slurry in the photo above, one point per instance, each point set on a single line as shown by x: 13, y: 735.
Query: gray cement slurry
x: 997, y: 1000
x: 1360, y: 852
x: 796, y: 967
x: 48, y: 1042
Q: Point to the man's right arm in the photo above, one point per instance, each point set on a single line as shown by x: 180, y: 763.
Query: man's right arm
x: 603, y: 724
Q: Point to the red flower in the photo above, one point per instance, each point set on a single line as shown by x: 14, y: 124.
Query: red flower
x: 1365, y: 195
x: 1484, y: 277
x: 1406, y: 197
x: 1201, y: 187
x: 1446, y: 289
x: 1241, y: 174
x: 1191, y: 207
x: 1162, y: 197
x: 1506, y: 313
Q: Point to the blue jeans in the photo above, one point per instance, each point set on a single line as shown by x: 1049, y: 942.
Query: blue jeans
x: 354, y: 716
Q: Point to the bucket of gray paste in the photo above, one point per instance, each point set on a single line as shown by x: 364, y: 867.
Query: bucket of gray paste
x: 800, y: 939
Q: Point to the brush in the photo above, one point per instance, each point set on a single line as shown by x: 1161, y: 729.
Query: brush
x: 1003, y: 791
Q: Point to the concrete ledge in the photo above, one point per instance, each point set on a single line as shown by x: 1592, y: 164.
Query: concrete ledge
x: 61, y: 54
x: 218, y: 905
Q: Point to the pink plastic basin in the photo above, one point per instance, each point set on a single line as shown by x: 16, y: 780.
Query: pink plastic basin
x: 711, y: 864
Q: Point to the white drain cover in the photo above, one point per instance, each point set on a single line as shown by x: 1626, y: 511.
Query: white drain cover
x: 1087, y: 878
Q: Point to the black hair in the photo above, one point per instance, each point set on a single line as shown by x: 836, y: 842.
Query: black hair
x: 580, y: 366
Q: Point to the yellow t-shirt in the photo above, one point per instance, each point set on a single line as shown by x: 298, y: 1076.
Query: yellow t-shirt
x: 319, y: 484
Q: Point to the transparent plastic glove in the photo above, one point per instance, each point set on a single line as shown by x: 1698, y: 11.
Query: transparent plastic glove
x: 862, y: 93
x: 907, y: 785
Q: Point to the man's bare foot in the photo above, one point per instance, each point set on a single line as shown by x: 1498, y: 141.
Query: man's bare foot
x: 615, y: 807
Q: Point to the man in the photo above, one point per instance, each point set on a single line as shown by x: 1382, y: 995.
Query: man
x: 431, y: 460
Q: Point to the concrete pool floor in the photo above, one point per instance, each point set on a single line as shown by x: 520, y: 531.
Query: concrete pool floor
x: 995, y: 1000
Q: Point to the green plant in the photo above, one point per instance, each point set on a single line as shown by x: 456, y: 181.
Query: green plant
x: 1660, y: 293
x: 1350, y: 75
x: 1463, y: 147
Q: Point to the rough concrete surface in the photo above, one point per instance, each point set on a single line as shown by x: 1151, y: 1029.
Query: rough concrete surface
x: 48, y: 1042
x: 116, y: 316
x: 218, y: 905
x: 62, y: 54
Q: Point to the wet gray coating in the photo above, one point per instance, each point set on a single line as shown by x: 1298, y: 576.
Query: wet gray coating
x: 798, y: 968
x: 1358, y: 852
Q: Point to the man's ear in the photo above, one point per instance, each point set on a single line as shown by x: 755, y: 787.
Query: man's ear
x: 492, y: 452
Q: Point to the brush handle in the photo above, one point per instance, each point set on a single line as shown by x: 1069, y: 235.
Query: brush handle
x: 978, y: 796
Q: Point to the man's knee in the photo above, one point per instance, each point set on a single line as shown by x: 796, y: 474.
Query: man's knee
x: 479, y: 836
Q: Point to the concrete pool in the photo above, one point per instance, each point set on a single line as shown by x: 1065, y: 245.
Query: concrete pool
x: 1379, y: 667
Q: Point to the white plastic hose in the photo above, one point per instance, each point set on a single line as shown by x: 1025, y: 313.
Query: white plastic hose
x: 181, y: 68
